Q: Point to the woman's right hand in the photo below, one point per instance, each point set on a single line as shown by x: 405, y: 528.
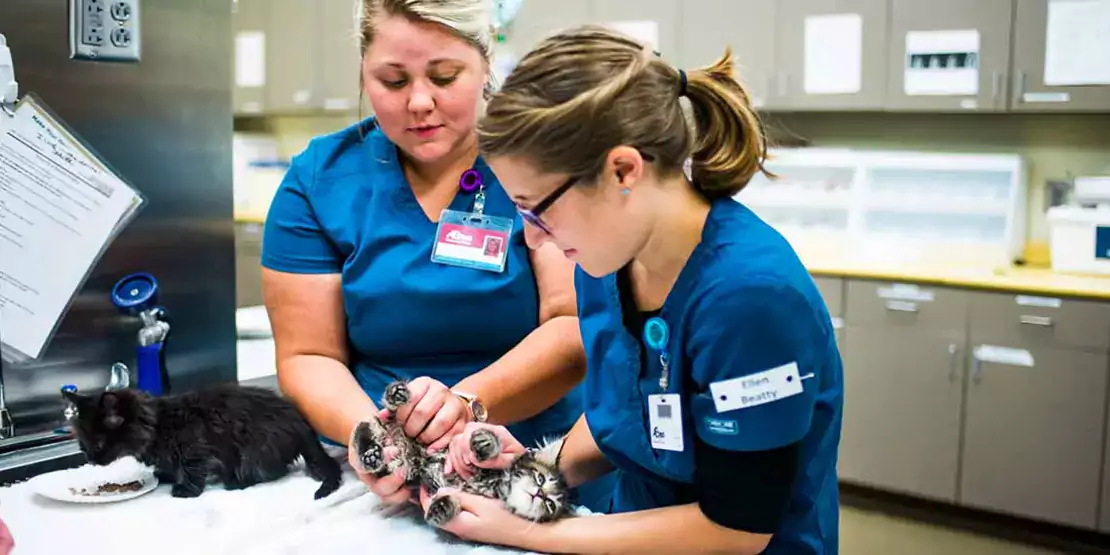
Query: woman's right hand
x: 390, y: 489
x: 461, y: 458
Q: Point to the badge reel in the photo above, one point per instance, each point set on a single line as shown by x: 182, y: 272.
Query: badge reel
x: 472, y: 239
x: 665, y: 409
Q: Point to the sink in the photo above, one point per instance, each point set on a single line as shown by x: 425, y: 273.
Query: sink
x: 34, y: 458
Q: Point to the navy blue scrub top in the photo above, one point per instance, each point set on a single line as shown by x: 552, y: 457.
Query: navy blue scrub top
x: 743, y: 304
x: 345, y: 207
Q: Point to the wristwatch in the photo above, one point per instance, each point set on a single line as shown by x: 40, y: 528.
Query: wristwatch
x: 475, y: 406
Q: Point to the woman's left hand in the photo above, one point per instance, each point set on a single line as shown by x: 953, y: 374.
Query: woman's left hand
x: 485, y: 520
x: 433, y: 415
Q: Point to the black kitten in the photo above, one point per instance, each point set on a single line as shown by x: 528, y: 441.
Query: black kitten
x: 241, y: 435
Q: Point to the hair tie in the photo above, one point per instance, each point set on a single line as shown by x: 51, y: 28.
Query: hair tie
x: 681, y: 82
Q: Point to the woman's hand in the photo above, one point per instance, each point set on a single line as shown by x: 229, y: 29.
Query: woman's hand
x: 485, y: 520
x: 433, y: 415
x: 7, y: 543
x: 461, y: 457
x: 391, y: 489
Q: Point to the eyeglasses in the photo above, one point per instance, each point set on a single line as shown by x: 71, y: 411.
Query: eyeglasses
x: 533, y: 216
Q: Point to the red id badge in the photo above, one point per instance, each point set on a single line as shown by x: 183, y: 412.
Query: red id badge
x: 472, y: 240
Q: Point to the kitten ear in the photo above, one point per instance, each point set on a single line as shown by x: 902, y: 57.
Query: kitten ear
x: 113, y: 421
x: 548, y: 454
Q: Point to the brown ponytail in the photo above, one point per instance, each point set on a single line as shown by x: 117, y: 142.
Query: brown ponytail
x: 730, y: 145
x: 581, y: 93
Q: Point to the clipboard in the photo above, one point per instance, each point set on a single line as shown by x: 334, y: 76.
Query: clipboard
x: 33, y: 130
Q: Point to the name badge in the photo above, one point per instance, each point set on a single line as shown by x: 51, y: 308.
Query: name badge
x: 472, y: 240
x: 665, y: 421
x: 757, y: 389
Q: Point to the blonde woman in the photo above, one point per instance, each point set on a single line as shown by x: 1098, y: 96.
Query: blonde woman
x: 713, y: 381
x: 365, y: 279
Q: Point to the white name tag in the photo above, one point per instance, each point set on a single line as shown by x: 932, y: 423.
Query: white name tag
x: 757, y: 389
x: 665, y: 419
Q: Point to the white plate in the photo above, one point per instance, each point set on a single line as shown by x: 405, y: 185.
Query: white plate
x: 55, y: 485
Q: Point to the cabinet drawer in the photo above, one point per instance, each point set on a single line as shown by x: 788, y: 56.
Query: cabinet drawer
x: 925, y: 307
x: 1040, y: 321
x: 832, y: 290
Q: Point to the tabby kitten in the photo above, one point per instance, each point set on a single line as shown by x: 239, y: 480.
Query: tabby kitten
x: 241, y: 435
x: 531, y: 488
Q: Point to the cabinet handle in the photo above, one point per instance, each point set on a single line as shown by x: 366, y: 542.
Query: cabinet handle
x: 996, y: 84
x: 1019, y: 86
x: 1044, y: 321
x: 901, y: 306
x: 976, y: 370
x: 952, y: 372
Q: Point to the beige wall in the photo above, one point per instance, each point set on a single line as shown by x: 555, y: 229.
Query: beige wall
x: 1054, y: 146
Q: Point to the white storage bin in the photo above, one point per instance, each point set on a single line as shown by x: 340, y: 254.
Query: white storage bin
x: 1080, y: 239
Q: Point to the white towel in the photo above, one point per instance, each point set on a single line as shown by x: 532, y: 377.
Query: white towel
x: 278, y: 518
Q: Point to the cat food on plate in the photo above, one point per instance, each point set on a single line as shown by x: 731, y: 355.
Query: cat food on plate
x: 125, y: 478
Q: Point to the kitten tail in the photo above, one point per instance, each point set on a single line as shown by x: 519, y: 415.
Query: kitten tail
x: 320, y: 466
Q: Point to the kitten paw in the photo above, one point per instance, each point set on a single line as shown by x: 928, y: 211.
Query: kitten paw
x: 185, y: 491
x: 442, y: 510
x: 485, y: 445
x: 371, y: 456
x: 397, y: 394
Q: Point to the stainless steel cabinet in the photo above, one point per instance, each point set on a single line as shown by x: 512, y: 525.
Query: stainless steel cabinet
x: 1034, y: 436
x: 1030, y: 91
x: 708, y: 26
x: 802, y: 21
x: 903, y: 375
x: 935, y: 33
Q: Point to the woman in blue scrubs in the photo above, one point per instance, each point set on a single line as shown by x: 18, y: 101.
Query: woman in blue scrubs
x: 713, y: 384
x: 356, y: 298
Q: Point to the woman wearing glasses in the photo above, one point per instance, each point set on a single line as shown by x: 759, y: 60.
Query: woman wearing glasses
x: 391, y: 252
x: 713, y: 382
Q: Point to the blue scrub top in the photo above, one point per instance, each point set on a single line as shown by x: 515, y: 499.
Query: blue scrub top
x: 743, y: 304
x: 345, y: 207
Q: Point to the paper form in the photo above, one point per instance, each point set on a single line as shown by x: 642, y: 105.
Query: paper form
x: 250, y: 59
x: 59, y: 208
x: 1077, y: 43
x: 942, y: 62
x: 833, y: 54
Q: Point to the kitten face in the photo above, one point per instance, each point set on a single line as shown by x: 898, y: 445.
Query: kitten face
x: 536, y: 491
x: 112, y: 425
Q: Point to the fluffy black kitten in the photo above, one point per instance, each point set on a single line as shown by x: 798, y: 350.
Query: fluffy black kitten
x: 240, y: 435
x: 531, y: 488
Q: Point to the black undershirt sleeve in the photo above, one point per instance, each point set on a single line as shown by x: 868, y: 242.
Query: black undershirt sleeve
x: 745, y: 490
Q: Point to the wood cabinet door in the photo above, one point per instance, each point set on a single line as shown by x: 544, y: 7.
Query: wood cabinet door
x: 936, y: 35
x: 1034, y: 434
x: 903, y: 392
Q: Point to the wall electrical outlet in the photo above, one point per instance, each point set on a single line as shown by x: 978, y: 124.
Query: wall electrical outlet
x: 104, y: 30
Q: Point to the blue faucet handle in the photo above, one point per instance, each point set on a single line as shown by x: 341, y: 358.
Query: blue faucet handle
x: 135, y: 293
x: 69, y: 388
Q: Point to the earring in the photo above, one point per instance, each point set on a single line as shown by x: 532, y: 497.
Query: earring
x: 625, y: 191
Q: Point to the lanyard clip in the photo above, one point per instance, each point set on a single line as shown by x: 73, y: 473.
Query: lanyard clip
x: 656, y: 335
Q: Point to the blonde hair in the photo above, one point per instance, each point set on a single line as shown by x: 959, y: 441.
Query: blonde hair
x: 470, y: 20
x: 582, y: 92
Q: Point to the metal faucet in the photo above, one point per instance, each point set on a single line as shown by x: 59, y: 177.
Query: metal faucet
x: 7, y: 426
